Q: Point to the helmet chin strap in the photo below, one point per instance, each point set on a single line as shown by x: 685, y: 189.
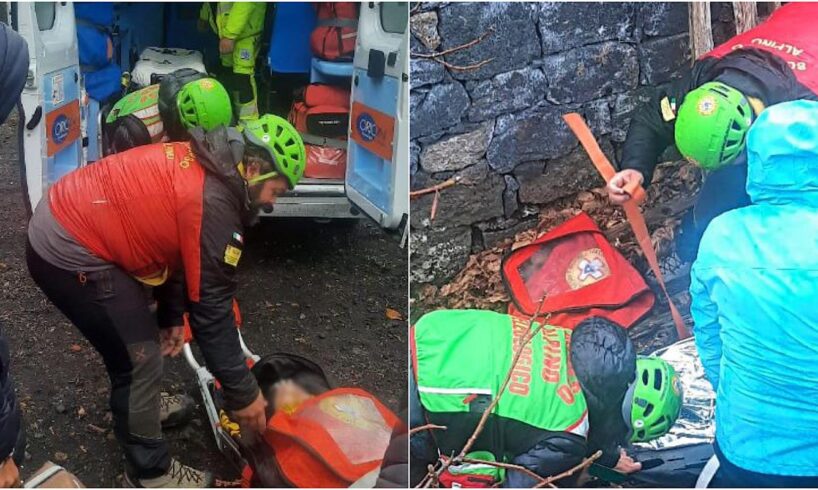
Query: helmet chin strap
x: 756, y: 104
x: 262, y: 177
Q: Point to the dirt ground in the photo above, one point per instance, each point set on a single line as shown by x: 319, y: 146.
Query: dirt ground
x: 317, y: 290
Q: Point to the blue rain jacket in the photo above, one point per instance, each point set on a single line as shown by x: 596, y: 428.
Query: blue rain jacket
x: 754, y: 292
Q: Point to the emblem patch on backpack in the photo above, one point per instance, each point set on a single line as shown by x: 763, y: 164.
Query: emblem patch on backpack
x: 587, y: 268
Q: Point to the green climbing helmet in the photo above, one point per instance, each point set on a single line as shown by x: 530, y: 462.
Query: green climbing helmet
x: 204, y: 103
x: 712, y: 124
x: 654, y: 399
x: 282, y: 142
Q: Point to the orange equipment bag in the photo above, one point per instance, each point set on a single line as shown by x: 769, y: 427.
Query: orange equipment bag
x: 579, y: 273
x: 331, y: 440
x: 336, y: 31
x: 320, y: 113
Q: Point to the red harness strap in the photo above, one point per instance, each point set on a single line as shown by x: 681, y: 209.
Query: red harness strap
x: 635, y: 218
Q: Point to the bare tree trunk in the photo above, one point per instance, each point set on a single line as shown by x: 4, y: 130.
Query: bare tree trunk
x: 746, y: 16
x: 701, y: 36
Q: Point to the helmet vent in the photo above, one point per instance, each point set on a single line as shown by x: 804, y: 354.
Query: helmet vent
x: 719, y: 90
x: 644, y: 378
x: 648, y: 410
x: 657, y: 379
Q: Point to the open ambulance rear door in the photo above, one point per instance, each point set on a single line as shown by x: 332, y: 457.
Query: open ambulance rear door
x: 50, y: 142
x: 377, y: 176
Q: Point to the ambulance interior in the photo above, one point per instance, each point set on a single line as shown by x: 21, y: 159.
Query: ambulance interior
x: 343, y: 179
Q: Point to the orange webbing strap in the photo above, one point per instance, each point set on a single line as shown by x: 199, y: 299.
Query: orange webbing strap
x: 635, y: 218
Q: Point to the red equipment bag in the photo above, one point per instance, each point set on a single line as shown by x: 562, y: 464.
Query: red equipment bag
x: 321, y: 114
x: 579, y: 273
x: 336, y: 31
x: 331, y: 440
x: 449, y: 480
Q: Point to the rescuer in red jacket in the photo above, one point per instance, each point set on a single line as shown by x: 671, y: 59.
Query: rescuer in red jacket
x: 172, y: 216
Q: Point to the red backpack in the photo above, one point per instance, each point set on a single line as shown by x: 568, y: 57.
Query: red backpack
x: 336, y: 31
x: 581, y: 275
x: 321, y: 114
x: 331, y: 440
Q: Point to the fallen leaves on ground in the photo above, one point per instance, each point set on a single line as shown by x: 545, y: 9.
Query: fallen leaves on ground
x: 393, y: 314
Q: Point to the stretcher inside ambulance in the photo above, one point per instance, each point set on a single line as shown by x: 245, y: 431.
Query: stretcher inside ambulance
x: 362, y: 168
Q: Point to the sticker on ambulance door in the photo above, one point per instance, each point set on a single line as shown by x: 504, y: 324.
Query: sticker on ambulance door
x: 373, y: 130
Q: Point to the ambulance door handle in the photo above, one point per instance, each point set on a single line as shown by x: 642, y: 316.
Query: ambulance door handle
x: 377, y: 64
x: 35, y: 118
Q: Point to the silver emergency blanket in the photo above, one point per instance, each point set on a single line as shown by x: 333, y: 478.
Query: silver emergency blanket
x: 696, y: 423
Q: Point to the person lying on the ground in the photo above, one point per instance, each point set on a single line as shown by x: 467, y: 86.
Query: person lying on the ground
x: 13, y: 72
x: 166, y: 111
x: 570, y: 394
x: 319, y: 436
x: 172, y: 216
x: 753, y: 290
x: 707, y: 113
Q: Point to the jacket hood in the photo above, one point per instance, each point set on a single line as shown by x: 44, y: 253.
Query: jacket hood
x: 220, y: 151
x: 782, y: 155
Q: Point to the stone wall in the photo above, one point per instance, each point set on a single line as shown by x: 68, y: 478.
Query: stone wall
x: 498, y: 128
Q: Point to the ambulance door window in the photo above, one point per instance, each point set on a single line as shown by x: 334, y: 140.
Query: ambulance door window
x: 394, y: 17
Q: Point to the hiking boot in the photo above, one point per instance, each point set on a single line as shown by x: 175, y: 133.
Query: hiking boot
x: 178, y: 476
x: 175, y: 410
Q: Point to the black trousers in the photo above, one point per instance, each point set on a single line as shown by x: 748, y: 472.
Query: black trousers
x: 722, y: 190
x: 110, y: 308
x: 731, y: 476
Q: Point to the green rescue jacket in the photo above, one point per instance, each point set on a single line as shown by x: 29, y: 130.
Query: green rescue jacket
x: 461, y: 359
x: 235, y: 20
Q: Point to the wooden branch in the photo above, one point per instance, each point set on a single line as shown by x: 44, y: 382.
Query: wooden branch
x: 426, y: 427
x: 746, y: 16
x: 507, y: 466
x: 435, y: 188
x: 585, y: 463
x: 435, y: 202
x: 454, y: 49
x: 437, y: 56
x: 701, y: 35
x: 464, y: 68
